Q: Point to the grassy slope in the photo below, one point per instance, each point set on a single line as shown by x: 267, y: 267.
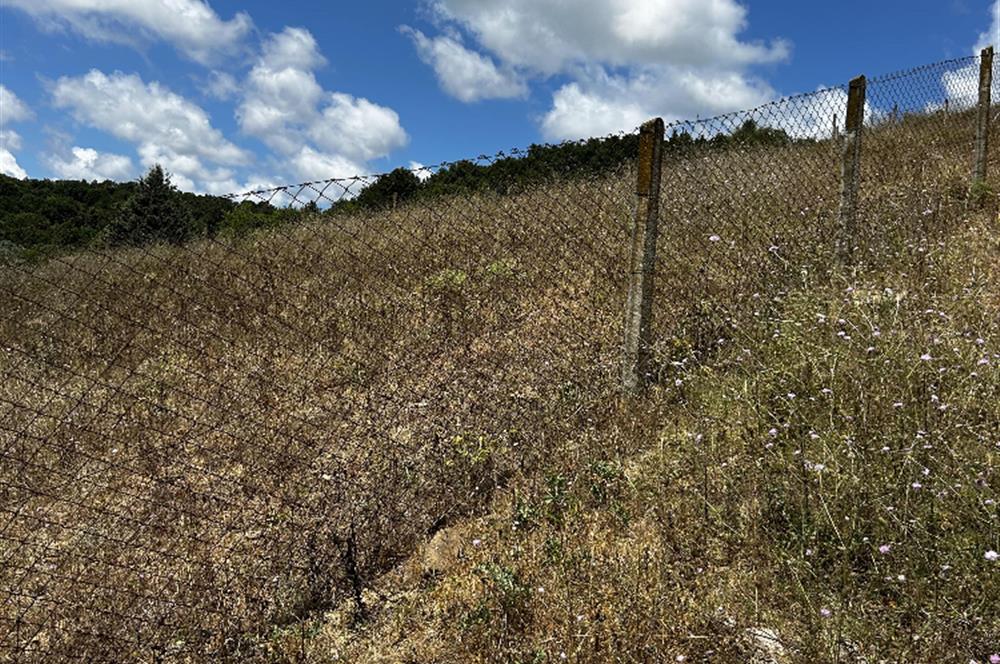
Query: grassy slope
x: 232, y: 448
x: 760, y: 479
x: 762, y: 504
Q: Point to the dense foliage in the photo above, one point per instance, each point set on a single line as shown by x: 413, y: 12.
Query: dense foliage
x: 41, y: 216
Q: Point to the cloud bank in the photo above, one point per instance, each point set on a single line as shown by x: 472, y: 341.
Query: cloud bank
x: 621, y: 61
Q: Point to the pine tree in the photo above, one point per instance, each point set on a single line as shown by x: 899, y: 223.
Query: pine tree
x: 154, y: 213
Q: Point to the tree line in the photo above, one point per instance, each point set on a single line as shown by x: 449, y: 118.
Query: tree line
x: 38, y: 217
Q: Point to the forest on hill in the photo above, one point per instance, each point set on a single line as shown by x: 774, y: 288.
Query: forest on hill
x: 39, y: 217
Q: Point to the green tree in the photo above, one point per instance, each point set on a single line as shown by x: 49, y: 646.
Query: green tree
x: 248, y: 217
x: 154, y: 212
x: 390, y: 190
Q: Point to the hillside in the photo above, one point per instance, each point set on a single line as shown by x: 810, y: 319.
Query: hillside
x: 42, y: 217
x: 828, y: 496
x: 398, y: 434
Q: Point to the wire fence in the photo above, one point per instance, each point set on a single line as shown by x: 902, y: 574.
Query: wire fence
x: 207, y: 440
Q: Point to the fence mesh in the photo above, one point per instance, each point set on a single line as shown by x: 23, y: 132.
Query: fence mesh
x: 208, y: 437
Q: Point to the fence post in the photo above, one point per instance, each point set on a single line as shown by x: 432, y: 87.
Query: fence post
x: 850, y: 172
x: 642, y: 264
x: 983, y: 120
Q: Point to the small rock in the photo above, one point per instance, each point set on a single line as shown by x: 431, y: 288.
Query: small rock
x: 442, y: 552
x: 767, y: 646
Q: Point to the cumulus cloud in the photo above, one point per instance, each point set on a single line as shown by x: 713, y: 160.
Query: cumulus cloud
x: 992, y: 36
x: 166, y: 128
x: 126, y: 107
x: 312, y: 133
x: 319, y: 134
x: 598, y: 103
x: 221, y: 85
x: 310, y: 164
x: 10, y: 140
x: 549, y: 35
x: 961, y: 85
x: 282, y: 93
x: 12, y: 109
x: 627, y: 60
x: 422, y: 171
x: 357, y: 128
x: 9, y: 165
x: 192, y: 26
x: 961, y: 88
x: 465, y: 74
x: 89, y: 164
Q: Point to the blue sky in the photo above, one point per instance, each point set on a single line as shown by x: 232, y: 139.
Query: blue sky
x: 233, y: 95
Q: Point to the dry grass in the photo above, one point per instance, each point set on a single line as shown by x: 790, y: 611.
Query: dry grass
x: 233, y: 449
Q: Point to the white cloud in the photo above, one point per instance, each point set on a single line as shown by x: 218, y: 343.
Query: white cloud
x: 598, y: 103
x: 282, y: 91
x: 189, y: 171
x: 309, y: 164
x: 318, y: 134
x: 12, y: 109
x: 808, y: 116
x: 421, y: 171
x: 221, y: 85
x: 10, y: 140
x: 627, y: 60
x: 357, y: 128
x: 166, y: 128
x: 233, y: 186
x: 9, y: 165
x: 192, y: 26
x: 549, y: 35
x: 992, y: 36
x: 578, y: 112
x: 126, y: 107
x: 89, y: 164
x: 292, y: 48
x: 464, y: 74
x: 812, y: 116
x: 961, y: 86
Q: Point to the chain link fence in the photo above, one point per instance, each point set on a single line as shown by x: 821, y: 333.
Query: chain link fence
x: 207, y: 437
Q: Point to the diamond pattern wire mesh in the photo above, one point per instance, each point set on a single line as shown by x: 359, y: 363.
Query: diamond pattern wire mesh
x: 204, y: 438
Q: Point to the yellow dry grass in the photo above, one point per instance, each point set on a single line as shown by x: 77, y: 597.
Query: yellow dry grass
x: 240, y: 449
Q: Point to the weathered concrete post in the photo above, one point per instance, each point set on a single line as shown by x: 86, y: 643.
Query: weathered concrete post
x: 642, y: 265
x: 850, y: 172
x: 983, y: 118
x: 836, y: 128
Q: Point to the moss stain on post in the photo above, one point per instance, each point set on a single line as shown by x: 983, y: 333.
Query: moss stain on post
x: 983, y: 122
x: 642, y: 265
x: 850, y: 172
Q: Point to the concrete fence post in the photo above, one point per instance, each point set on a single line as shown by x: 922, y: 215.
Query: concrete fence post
x: 983, y: 119
x: 850, y: 171
x: 637, y: 358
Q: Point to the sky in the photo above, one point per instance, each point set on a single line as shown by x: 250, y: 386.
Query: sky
x: 232, y: 96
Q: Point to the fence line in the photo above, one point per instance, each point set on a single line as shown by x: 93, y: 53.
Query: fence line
x: 212, y: 437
